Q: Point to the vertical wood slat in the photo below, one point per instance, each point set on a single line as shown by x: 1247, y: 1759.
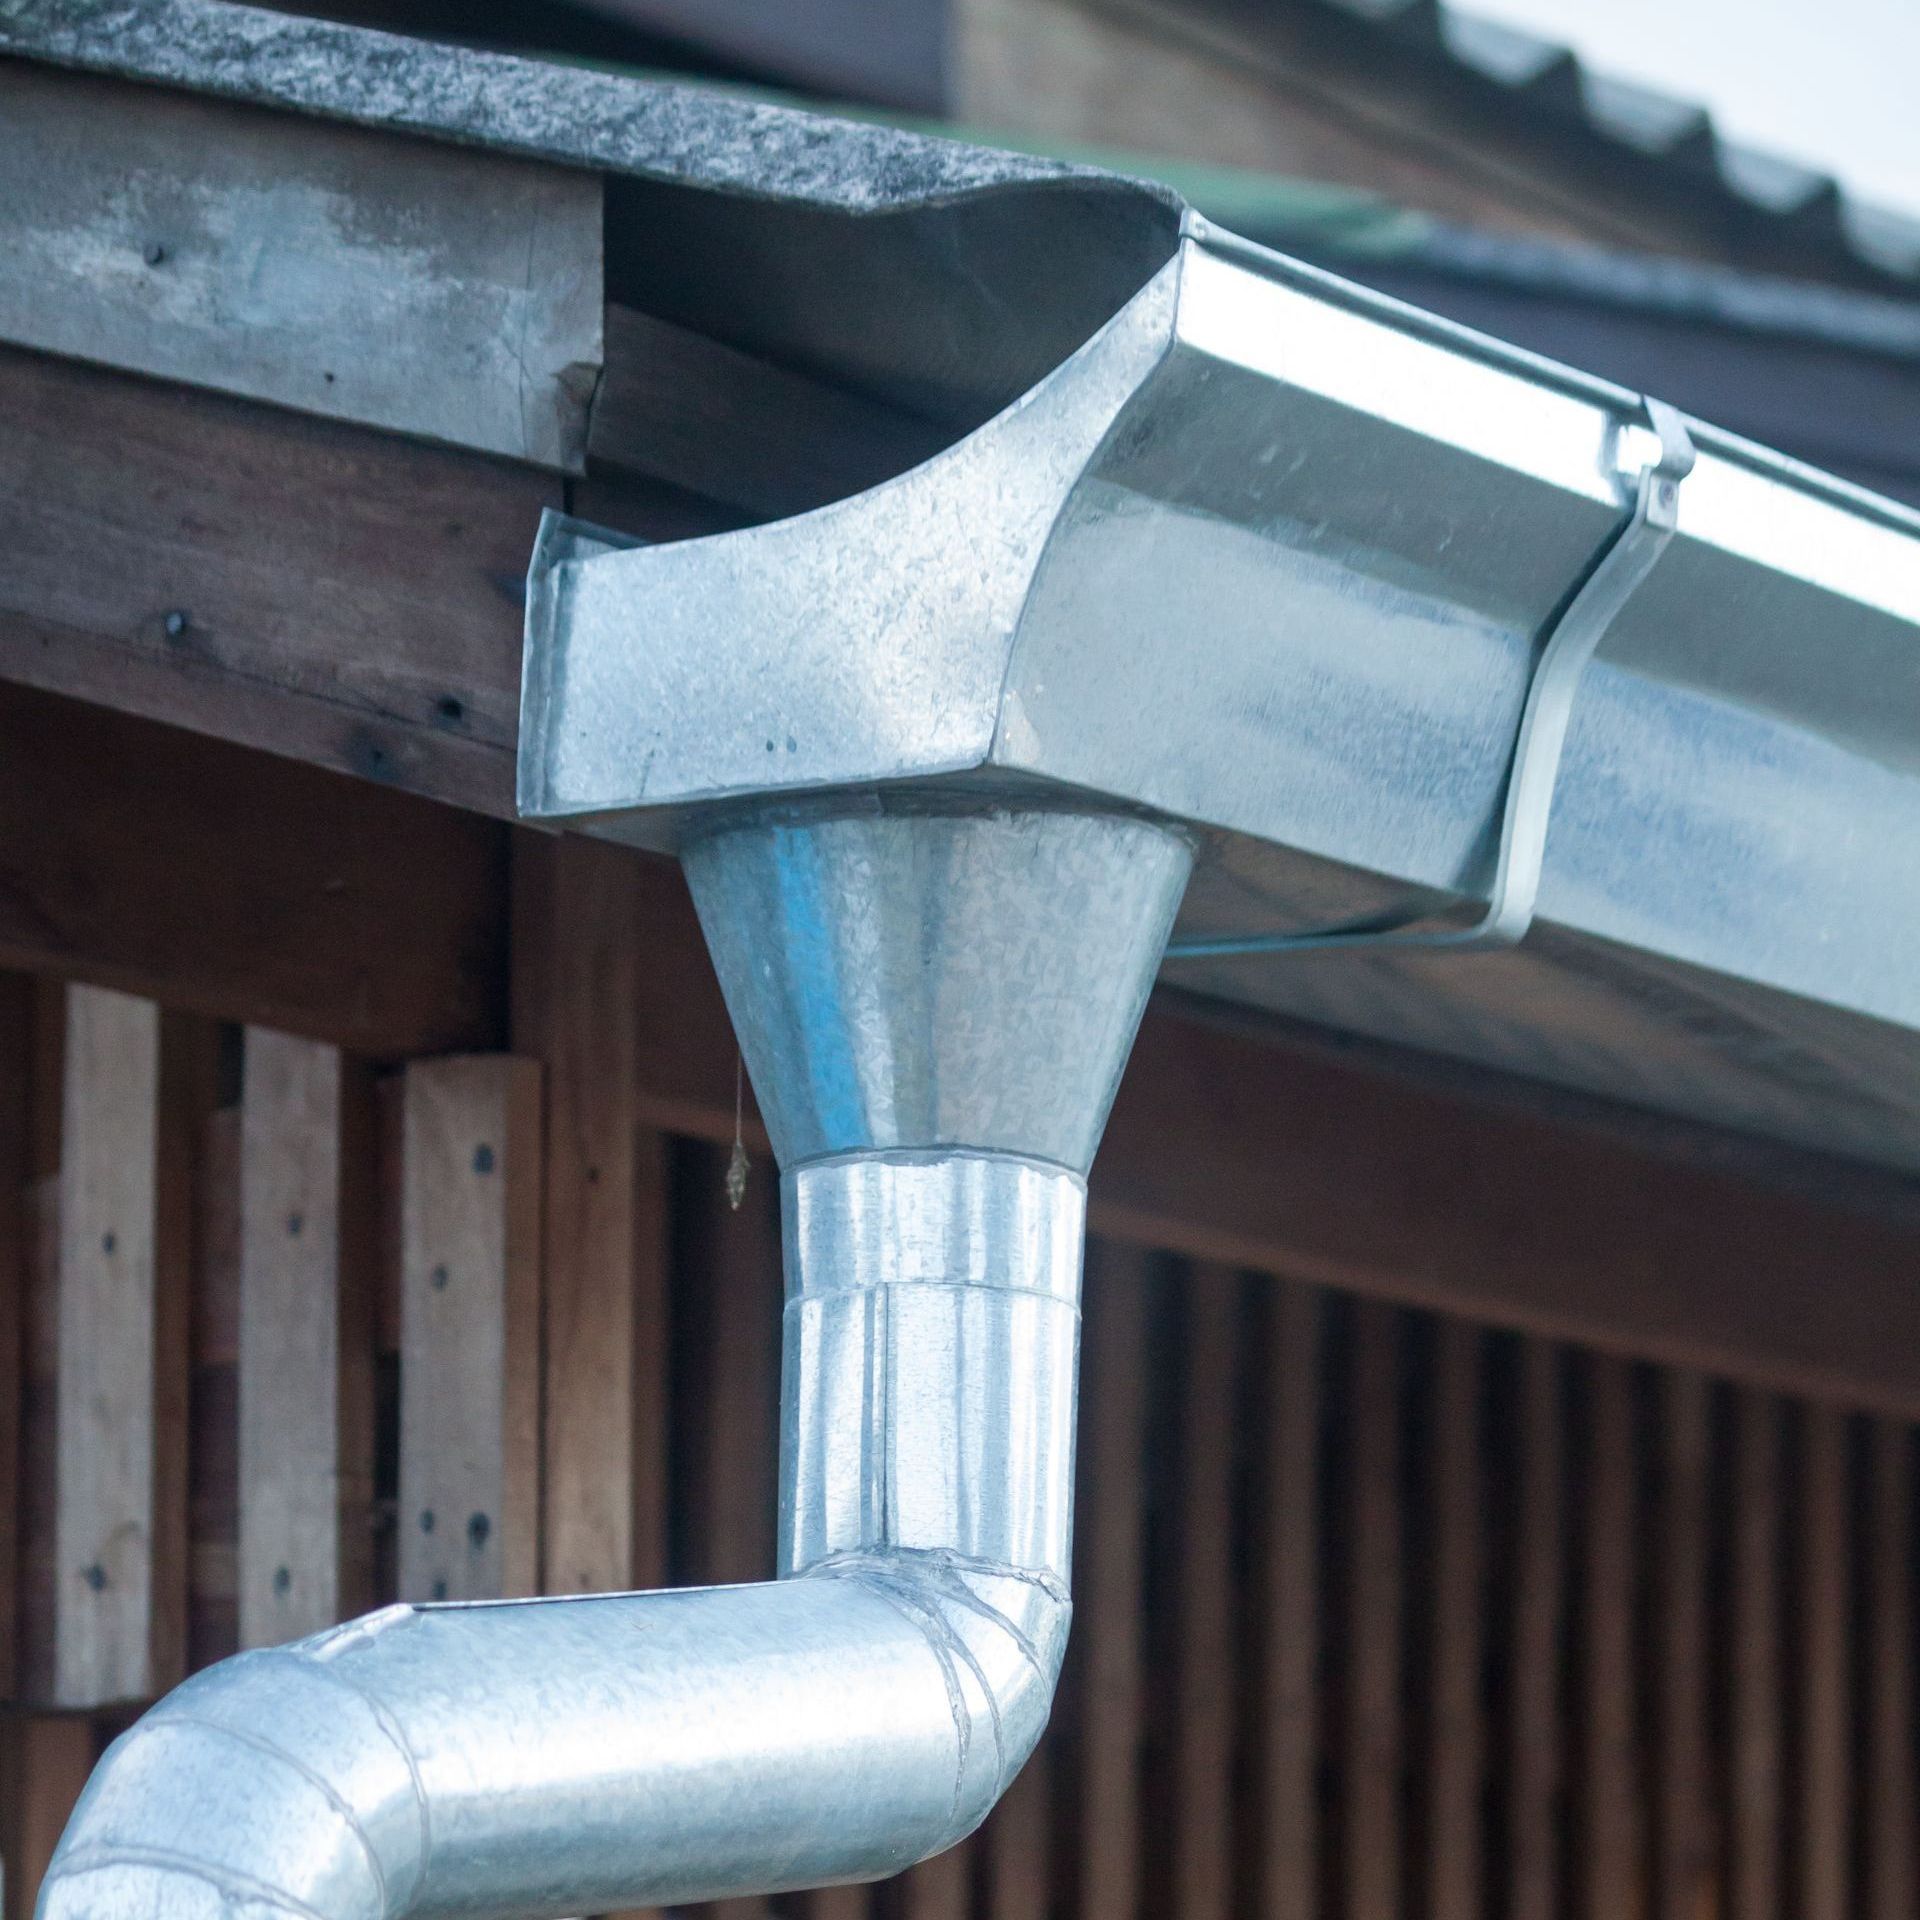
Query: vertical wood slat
x: 1612, y: 1809
x: 1534, y: 1762
x: 837, y: 1903
x: 1108, y: 1580
x: 46, y: 1759
x: 213, y: 1494
x: 1019, y: 1844
x: 16, y: 1062
x: 579, y: 946
x: 40, y: 1345
x: 1205, y: 1683
x: 1756, y: 1714
x: 306, y: 1339
x: 1456, y: 1760
x: 1373, y: 1745
x: 128, y: 1114
x: 1685, y: 1858
x: 1825, y: 1599
x: 1287, y: 1874
x: 469, y: 1411
x: 940, y: 1888
x: 1894, y: 1791
x: 740, y: 1397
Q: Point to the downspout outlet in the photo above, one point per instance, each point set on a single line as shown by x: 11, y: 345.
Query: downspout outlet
x: 935, y: 1004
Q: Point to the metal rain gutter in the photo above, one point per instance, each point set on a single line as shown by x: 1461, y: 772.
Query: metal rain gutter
x: 1283, y: 562
x: 1330, y: 605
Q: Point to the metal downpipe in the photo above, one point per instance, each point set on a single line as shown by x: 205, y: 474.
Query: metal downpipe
x: 935, y: 1008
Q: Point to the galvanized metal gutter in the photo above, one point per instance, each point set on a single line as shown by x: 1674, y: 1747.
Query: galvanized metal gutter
x: 1277, y: 559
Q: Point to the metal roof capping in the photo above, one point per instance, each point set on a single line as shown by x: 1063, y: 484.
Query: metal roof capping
x: 1224, y: 540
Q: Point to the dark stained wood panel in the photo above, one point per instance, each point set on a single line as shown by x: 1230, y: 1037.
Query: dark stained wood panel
x: 1893, y: 1790
x: 1456, y: 1732
x: 1287, y: 1836
x: 1822, y: 1610
x: 1686, y: 1854
x: 1757, y: 1731
x: 330, y: 593
x: 1107, y: 1653
x: 1611, y: 1786
x: 1536, y: 1761
x: 243, y: 886
x: 16, y: 1067
x: 1201, y: 1837
x: 1376, y: 1610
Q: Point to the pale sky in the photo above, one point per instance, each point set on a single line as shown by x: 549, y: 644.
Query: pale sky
x: 1832, y: 82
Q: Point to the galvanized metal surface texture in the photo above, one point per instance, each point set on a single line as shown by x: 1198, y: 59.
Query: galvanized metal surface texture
x: 1272, y: 558
x: 385, y: 281
x: 569, y: 1756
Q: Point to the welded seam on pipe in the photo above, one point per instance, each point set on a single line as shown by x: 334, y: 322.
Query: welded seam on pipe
x: 257, y: 1744
x: 322, y: 1654
x: 225, y: 1880
x: 943, y: 1647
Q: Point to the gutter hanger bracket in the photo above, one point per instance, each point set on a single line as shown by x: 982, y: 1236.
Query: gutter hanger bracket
x: 1623, y: 564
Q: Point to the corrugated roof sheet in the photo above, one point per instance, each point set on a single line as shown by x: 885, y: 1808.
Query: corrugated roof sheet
x: 1555, y: 83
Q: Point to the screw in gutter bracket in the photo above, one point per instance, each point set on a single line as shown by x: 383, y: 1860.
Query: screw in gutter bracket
x: 1623, y: 564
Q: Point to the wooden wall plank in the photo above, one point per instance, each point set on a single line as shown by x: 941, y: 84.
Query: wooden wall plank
x: 327, y: 592
x: 1455, y: 1771
x: 48, y: 1758
x: 837, y: 1903
x: 469, y: 1411
x: 1611, y: 1787
x: 940, y: 1888
x: 1535, y: 1762
x: 733, y: 1358
x: 1823, y: 1617
x: 120, y: 1534
x: 306, y: 1339
x: 213, y: 1420
x: 680, y: 407
x: 1316, y: 1157
x: 1287, y: 1839
x: 1686, y: 1857
x: 1374, y: 1733
x: 385, y: 933
x: 1018, y: 1840
x: 579, y: 967
x: 488, y: 338
x: 1756, y: 1723
x: 1893, y: 1792
x: 40, y: 1345
x: 1200, y: 1815
x: 1109, y: 1594
x: 16, y: 1069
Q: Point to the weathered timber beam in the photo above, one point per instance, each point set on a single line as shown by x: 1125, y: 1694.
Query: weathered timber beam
x: 1372, y: 1178
x: 332, y: 594
x: 284, y: 259
x: 234, y: 884
x: 679, y: 407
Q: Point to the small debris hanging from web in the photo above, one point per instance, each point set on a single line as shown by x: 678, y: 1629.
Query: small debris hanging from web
x: 738, y: 1163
